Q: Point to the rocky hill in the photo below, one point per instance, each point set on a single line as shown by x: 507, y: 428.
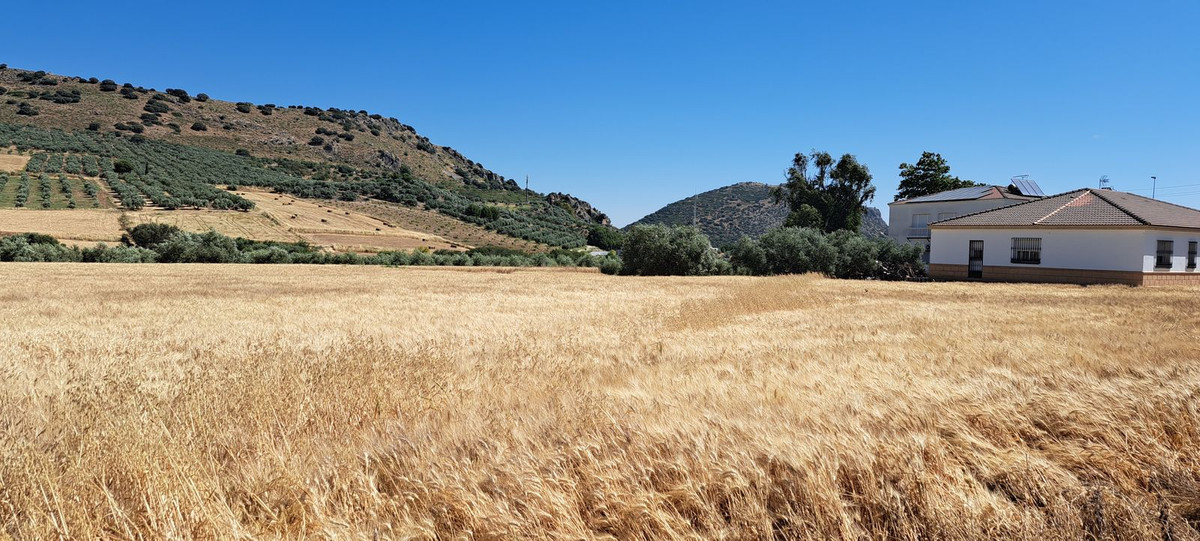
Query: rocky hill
x: 746, y: 208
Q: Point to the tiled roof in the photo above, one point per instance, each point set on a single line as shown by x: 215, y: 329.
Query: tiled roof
x: 1086, y: 207
x: 968, y: 194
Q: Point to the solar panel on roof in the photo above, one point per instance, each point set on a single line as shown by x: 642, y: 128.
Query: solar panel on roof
x: 1027, y: 187
x: 972, y: 192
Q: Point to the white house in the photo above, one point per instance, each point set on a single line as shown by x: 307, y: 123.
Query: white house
x: 1086, y: 236
x: 908, y: 220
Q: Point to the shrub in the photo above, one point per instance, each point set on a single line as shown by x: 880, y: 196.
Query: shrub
x: 898, y: 261
x: 3, y: 91
x: 657, y: 250
x: 131, y: 127
x: 244, y: 107
x: 150, y: 235
x: 27, y: 110
x: 210, y: 247
x: 32, y: 247
x: 201, y: 97
x: 94, y: 126
x: 794, y: 250
x: 122, y: 166
x: 316, y: 141
x: 199, y: 126
x: 108, y: 85
x: 156, y: 106
x: 605, y: 237
x: 61, y: 96
x: 271, y: 255
x: 242, y: 152
x: 119, y: 254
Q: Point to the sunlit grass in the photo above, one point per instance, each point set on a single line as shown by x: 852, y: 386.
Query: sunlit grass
x: 227, y: 401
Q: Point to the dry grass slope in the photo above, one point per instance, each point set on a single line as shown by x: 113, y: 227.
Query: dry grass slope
x: 287, y: 402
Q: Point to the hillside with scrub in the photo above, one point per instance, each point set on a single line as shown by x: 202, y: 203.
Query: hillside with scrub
x: 85, y: 142
x: 748, y: 209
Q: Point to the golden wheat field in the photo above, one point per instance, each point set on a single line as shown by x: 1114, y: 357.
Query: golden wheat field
x: 226, y: 402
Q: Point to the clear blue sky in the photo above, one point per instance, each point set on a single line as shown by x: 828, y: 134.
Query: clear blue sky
x: 632, y: 105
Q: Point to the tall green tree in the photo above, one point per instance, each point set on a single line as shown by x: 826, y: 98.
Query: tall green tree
x: 830, y: 196
x: 930, y: 175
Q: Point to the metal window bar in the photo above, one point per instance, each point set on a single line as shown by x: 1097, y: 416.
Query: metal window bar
x: 1166, y: 248
x: 1027, y: 250
x: 1191, y: 255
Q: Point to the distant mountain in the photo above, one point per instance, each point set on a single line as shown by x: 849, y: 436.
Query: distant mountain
x: 746, y: 208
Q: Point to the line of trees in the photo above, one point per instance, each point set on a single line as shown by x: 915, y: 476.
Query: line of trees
x: 659, y: 250
x: 825, y: 197
x: 163, y: 243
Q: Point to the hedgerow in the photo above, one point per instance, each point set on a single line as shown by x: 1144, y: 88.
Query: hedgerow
x: 22, y: 196
x: 44, y: 188
x: 54, y: 163
x: 37, y: 162
x: 72, y: 164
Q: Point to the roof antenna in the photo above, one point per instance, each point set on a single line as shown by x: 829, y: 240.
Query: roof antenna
x: 1105, y: 184
x: 1154, y: 188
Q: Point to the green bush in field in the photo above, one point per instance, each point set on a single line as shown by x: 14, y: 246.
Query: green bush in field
x: 657, y: 250
x: 150, y: 235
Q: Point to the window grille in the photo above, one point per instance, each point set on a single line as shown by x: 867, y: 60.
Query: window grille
x: 1027, y: 250
x: 1191, y: 255
x: 1166, y: 248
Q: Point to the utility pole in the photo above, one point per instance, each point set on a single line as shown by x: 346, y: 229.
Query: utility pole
x: 1154, y: 188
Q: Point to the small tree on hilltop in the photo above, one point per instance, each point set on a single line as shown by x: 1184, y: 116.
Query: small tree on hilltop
x: 930, y: 175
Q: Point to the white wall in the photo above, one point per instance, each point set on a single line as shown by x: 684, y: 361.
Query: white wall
x: 1178, y: 260
x: 1092, y: 249
x: 900, y: 215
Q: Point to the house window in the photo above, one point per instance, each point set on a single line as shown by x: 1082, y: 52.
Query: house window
x: 1166, y: 248
x: 920, y: 220
x: 1191, y: 255
x: 1027, y: 250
